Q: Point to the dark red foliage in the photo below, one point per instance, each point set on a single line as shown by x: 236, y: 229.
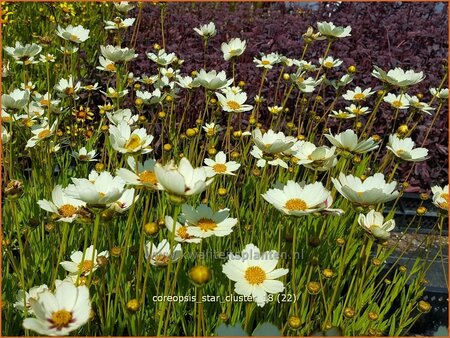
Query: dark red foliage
x: 410, y: 35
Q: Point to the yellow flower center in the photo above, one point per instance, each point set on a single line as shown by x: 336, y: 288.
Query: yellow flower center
x: 111, y: 67
x: 73, y: 38
x: 161, y: 260
x: 328, y: 64
x: 86, y: 266
x: 69, y: 91
x: 219, y: 168
x: 255, y: 275
x: 206, y: 224
x: 182, y: 232
x: 148, y: 177
x: 397, y: 104
x: 61, y: 318
x: 67, y: 210
x: 444, y: 205
x: 300, y: 80
x: 265, y: 62
x: 101, y: 194
x: 44, y: 133
x: 233, y: 105
x: 44, y: 102
x: 401, y: 152
x: 133, y: 143
x: 296, y: 204
x: 359, y: 96
x: 360, y: 193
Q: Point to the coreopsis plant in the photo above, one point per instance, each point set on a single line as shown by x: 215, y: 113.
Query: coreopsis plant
x: 84, y: 263
x: 373, y: 222
x: 234, y: 47
x: 348, y: 141
x: 398, y: 77
x: 440, y: 197
x: 403, y: 148
x: 75, y: 34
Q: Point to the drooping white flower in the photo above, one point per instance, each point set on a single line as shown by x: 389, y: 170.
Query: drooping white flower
x: 415, y: 102
x: 317, y: 158
x: 6, y: 136
x: 234, y: 103
x: 60, y: 313
x: 101, y: 189
x: 117, y: 54
x: 206, y: 31
x: 77, y: 34
x: 141, y: 174
x: 204, y: 222
x: 125, y: 141
x: 441, y: 197
x: 65, y: 207
x: 24, y: 55
x: 272, y: 142
x: 123, y: 7
x: 441, y: 94
x: 255, y: 273
x: 374, y: 224
x: 162, y: 254
x: 328, y: 29
x: 117, y: 116
x: 398, y: 77
x: 299, y: 199
x: 119, y: 23
x: 182, y: 180
x: 83, y: 265
x: 404, y: 149
x: 263, y: 159
x: 125, y: 201
x: 220, y: 166
x: 233, y: 48
x: 371, y: 191
x: 348, y: 141
x: 16, y: 100
x: 24, y: 298
x: 212, y: 80
x: 162, y: 58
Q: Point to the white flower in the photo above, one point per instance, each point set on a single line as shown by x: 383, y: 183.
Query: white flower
x: 440, y: 197
x: 68, y: 50
x: 317, y: 158
x: 24, y: 54
x: 206, y: 31
x: 234, y: 103
x: 123, y: 7
x: 414, y: 102
x: 403, y: 148
x: 103, y: 190
x: 84, y: 155
x: 46, y: 101
x: 62, y: 205
x: 275, y: 109
x: 181, y: 231
x: 117, y: 54
x: 329, y: 62
x: 162, y: 254
x: 77, y: 34
x: 299, y: 199
x: 150, y: 98
x: 304, y: 66
x: 232, y: 48
x: 125, y: 141
x: 6, y: 136
x: 203, y: 222
x: 113, y: 93
x: 60, y: 313
x: 24, y: 298
x: 125, y: 201
x: 340, y: 114
x: 15, y: 100
x: 47, y: 58
x: 41, y: 132
x: 372, y: 191
x: 162, y: 58
x: 120, y: 115
x: 441, y: 94
x: 358, y: 94
x: 186, y: 82
x: 232, y: 90
x: 212, y: 80
x: 398, y: 102
x: 182, y: 180
x: 211, y: 129
x: 374, y: 224
x: 272, y: 142
x: 106, y: 65
x: 85, y: 265
x: 255, y: 274
x: 144, y: 176
x: 118, y: 23
x: 357, y: 110
x: 220, y: 166
x: 305, y: 85
x: 398, y: 77
x: 267, y: 61
x: 67, y: 87
x: 330, y: 30
x: 264, y: 159
x: 348, y: 140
